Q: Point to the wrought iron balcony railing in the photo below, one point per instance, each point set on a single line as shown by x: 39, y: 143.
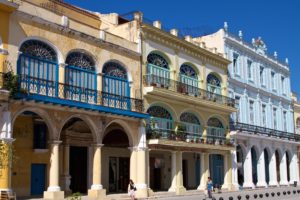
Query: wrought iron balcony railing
x: 176, y: 86
x: 258, y: 130
x: 47, y: 90
x: 167, y: 134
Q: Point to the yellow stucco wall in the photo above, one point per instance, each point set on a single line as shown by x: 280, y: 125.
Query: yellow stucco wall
x: 25, y: 156
x: 4, y: 24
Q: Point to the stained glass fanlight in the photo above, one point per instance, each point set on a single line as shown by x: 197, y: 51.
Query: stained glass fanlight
x: 38, y: 49
x: 159, y: 112
x: 189, y: 118
x: 215, y: 122
x: 81, y: 60
x: 114, y: 69
x: 158, y: 60
x: 187, y: 70
x: 213, y: 80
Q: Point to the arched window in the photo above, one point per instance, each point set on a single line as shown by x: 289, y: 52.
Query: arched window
x: 157, y: 70
x: 213, y: 84
x: 191, y: 123
x: 115, y: 85
x: 160, y: 118
x: 215, y: 128
x: 80, y: 77
x: 158, y: 60
x: 38, y: 68
x: 189, y: 79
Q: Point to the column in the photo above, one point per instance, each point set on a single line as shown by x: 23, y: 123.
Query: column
x: 179, y: 179
x: 227, y: 172
x: 66, y: 173
x: 204, y: 170
x: 272, y: 170
x: 6, y: 145
x: 204, y: 133
x: 97, y: 190
x: 283, y: 171
x: 261, y: 172
x: 141, y: 184
x: 173, y: 172
x: 53, y: 191
x: 133, y: 167
x: 233, y: 161
x: 248, y: 182
x: 294, y: 173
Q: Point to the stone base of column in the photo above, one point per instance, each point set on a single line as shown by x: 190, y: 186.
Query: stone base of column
x: 57, y: 195
x: 180, y: 190
x: 273, y: 184
x: 97, y: 194
x: 284, y: 183
x: 65, y: 182
x: 248, y: 185
x: 261, y: 184
x: 141, y: 193
x: 228, y: 187
x: 201, y: 187
x: 150, y: 192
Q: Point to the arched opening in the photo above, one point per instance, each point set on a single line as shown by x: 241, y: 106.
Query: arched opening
x: 254, y: 159
x: 240, y: 164
x: 267, y: 163
x: 160, y: 123
x: 298, y: 124
x: 215, y: 130
x: 116, y: 155
x: 288, y: 161
x: 29, y: 172
x: 277, y: 158
x: 80, y: 77
x: 191, y: 125
x: 116, y: 90
x: 158, y: 70
x: 37, y: 68
x: 77, y: 138
x: 189, y: 80
x: 216, y: 167
x: 213, y: 83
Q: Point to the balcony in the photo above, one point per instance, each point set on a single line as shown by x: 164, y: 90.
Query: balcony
x: 188, y: 90
x: 32, y: 88
x: 258, y: 130
x: 187, y: 137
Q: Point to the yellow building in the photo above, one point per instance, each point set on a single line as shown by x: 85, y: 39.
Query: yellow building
x: 185, y: 93
x: 296, y: 107
x: 76, y: 114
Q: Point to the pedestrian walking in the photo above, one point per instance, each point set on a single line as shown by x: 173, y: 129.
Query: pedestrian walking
x: 209, y: 187
x: 131, y: 189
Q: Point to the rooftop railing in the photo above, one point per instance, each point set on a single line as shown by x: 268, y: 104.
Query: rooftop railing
x: 258, y: 130
x: 179, y: 87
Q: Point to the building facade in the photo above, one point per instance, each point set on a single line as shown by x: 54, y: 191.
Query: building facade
x: 185, y: 93
x: 72, y: 120
x: 263, y: 124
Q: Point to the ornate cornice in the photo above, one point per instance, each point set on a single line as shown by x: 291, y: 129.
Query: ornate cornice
x: 181, y: 45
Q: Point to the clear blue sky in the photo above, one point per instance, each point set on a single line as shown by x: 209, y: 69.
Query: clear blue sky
x: 276, y: 21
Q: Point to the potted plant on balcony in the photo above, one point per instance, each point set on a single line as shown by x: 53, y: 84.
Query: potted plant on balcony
x: 180, y: 131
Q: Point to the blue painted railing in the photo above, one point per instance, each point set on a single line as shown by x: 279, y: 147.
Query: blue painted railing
x: 80, y: 97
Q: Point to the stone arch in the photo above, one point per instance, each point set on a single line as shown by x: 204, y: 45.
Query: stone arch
x: 241, y: 155
x: 267, y: 156
x: 278, y: 158
x: 84, y: 52
x: 254, y: 158
x: 60, y: 58
x: 129, y: 75
x: 219, y: 117
x: 85, y: 119
x: 41, y: 113
x: 160, y: 53
x: 216, y: 75
x: 194, y: 67
x: 201, y: 119
x: 289, y: 158
x: 127, y: 129
x: 168, y: 107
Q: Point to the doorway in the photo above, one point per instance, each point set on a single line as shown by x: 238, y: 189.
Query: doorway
x: 38, y: 176
x: 118, y: 174
x: 78, y: 169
